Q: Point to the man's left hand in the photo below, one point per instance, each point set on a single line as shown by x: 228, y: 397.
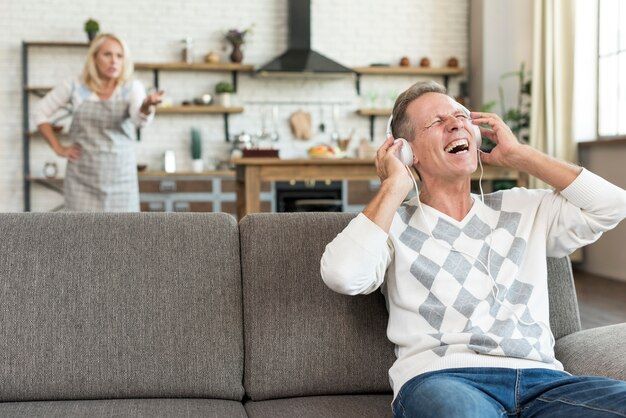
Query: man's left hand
x: 507, y: 146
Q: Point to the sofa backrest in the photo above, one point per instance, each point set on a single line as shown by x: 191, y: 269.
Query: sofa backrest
x: 120, y: 305
x: 301, y: 338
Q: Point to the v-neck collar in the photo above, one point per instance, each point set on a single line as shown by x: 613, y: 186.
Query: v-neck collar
x: 431, y: 212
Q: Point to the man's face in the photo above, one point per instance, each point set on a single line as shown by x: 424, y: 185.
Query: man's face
x: 443, y: 141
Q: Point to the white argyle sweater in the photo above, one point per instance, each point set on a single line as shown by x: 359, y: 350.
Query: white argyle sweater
x: 442, y: 309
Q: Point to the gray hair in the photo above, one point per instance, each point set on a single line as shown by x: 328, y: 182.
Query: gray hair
x: 401, y: 125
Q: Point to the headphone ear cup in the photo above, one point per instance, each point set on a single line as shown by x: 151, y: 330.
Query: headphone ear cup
x: 406, y: 153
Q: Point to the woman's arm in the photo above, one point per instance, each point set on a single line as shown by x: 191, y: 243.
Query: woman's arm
x: 53, y: 101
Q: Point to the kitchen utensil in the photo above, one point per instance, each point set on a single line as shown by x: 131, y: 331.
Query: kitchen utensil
x: 205, y: 99
x: 301, y: 124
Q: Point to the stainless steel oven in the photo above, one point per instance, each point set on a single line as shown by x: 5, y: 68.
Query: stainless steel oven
x: 308, y: 196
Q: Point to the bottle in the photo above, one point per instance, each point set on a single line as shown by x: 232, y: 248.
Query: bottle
x: 169, y: 161
x: 187, y: 50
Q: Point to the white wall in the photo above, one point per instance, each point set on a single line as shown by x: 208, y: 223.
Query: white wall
x: 501, y: 36
x: 356, y: 33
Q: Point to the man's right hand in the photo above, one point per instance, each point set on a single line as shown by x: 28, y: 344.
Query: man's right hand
x: 390, y: 169
x: 396, y: 182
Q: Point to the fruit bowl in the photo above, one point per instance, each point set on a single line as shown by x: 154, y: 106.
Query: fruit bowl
x: 323, y: 151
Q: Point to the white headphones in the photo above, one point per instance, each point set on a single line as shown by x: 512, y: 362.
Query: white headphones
x: 406, y: 153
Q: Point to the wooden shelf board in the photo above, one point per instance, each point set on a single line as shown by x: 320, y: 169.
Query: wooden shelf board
x: 37, y: 89
x: 437, y: 71
x: 199, y: 66
x: 374, y: 112
x: 56, y: 44
x: 198, y: 109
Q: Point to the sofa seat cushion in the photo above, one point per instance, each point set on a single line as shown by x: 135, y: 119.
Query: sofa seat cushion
x: 345, y: 406
x: 594, y: 352
x: 125, y: 408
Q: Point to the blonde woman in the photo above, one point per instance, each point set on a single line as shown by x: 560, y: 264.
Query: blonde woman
x: 106, y: 106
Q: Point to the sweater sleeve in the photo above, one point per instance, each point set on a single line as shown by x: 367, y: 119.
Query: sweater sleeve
x: 51, y: 102
x: 580, y: 213
x: 356, y: 260
x: 135, y: 98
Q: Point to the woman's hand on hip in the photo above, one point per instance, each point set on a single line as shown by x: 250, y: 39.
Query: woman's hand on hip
x: 72, y: 152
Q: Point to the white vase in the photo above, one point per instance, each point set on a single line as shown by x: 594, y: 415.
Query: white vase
x: 197, y: 166
x: 224, y: 99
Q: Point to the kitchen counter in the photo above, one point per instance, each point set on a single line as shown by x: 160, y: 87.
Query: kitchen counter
x: 250, y: 172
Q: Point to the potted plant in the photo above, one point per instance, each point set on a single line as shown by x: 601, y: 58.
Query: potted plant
x: 224, y: 90
x: 236, y: 38
x: 196, y: 151
x: 92, y: 27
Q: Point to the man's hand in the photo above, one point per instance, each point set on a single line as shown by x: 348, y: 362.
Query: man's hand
x: 507, y: 146
x: 508, y: 152
x: 395, y: 184
x: 389, y: 167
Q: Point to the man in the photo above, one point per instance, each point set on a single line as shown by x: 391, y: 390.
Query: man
x: 466, y: 280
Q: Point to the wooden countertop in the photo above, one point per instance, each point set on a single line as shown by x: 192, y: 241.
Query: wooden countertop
x: 208, y: 173
x: 302, y: 161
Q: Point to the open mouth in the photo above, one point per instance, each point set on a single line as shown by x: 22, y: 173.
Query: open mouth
x: 457, y: 147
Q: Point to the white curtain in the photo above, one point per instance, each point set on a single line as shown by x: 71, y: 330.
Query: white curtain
x: 551, y: 121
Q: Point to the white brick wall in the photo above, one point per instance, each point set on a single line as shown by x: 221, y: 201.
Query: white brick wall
x: 355, y: 33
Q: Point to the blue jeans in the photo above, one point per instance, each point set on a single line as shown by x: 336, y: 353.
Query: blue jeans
x: 498, y: 392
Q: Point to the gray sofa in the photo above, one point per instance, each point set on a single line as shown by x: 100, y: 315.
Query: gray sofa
x: 195, y: 315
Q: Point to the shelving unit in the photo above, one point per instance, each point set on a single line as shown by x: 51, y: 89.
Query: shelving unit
x: 444, y: 72
x: 233, y: 68
x: 27, y: 134
x: 372, y: 113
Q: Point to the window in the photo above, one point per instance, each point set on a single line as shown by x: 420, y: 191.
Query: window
x: 612, y: 68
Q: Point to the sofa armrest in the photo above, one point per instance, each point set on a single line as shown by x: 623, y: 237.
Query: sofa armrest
x: 594, y: 352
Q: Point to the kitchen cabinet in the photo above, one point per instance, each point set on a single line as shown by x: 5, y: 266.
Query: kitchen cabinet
x: 443, y: 72
x: 210, y: 191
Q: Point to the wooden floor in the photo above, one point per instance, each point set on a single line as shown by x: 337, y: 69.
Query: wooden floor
x: 601, y: 301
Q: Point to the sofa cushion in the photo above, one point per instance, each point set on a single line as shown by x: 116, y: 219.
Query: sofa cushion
x: 139, y: 305
x: 344, y: 406
x: 594, y: 352
x: 209, y: 408
x: 301, y: 338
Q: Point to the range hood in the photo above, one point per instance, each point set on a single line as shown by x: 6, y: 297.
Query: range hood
x: 299, y: 57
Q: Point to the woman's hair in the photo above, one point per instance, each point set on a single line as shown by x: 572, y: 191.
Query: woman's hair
x: 401, y: 125
x: 90, y: 74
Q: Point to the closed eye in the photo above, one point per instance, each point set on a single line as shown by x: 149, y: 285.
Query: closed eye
x: 433, y: 123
